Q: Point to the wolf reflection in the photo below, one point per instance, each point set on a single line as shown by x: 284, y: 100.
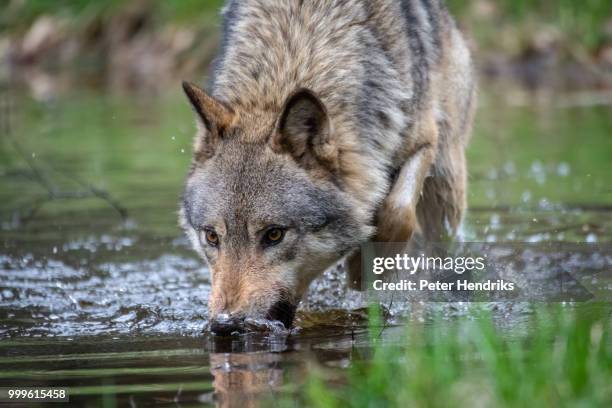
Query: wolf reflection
x: 250, y: 370
x: 243, y: 376
x: 241, y: 379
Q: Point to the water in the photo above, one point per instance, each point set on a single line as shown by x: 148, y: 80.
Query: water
x: 100, y: 292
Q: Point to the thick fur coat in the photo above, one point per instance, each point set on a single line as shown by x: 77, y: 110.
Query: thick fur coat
x: 326, y: 123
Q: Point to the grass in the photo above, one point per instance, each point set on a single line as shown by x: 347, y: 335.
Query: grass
x: 564, y: 358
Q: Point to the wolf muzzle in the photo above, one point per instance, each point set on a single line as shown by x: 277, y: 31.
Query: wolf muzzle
x: 225, y: 324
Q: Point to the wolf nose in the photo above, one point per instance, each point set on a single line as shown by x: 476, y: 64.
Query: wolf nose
x: 225, y: 324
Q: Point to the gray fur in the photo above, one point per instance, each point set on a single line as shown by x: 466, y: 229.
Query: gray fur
x: 394, y: 83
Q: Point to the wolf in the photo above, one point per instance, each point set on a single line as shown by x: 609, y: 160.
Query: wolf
x: 326, y: 124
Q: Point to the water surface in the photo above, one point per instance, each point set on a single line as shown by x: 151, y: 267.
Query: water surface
x: 99, y: 290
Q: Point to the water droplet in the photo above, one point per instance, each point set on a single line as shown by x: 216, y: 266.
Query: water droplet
x: 526, y: 196
x: 494, y: 221
x: 563, y: 169
x: 537, y: 172
x: 544, y: 204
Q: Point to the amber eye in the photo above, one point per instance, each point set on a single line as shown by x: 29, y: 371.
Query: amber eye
x: 273, y: 236
x: 211, y: 237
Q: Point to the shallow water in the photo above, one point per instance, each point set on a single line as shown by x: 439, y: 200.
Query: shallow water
x: 99, y: 290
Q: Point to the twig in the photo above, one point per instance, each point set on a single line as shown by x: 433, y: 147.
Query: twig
x: 53, y: 191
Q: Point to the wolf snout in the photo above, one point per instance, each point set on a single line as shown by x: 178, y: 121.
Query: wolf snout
x: 225, y: 324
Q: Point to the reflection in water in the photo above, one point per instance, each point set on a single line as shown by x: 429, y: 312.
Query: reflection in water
x: 240, y: 378
x: 252, y: 368
x: 243, y: 369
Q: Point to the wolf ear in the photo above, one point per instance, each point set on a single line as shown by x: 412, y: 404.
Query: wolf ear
x: 213, y: 114
x: 303, y: 129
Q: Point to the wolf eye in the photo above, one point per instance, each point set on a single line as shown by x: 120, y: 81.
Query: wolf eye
x: 273, y: 236
x: 211, y: 237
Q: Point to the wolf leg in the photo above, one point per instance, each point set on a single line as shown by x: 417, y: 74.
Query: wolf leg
x: 443, y: 200
x: 397, y: 217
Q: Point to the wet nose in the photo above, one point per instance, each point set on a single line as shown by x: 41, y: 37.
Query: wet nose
x: 225, y: 324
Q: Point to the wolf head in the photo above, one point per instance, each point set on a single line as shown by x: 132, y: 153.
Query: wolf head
x: 264, y: 205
